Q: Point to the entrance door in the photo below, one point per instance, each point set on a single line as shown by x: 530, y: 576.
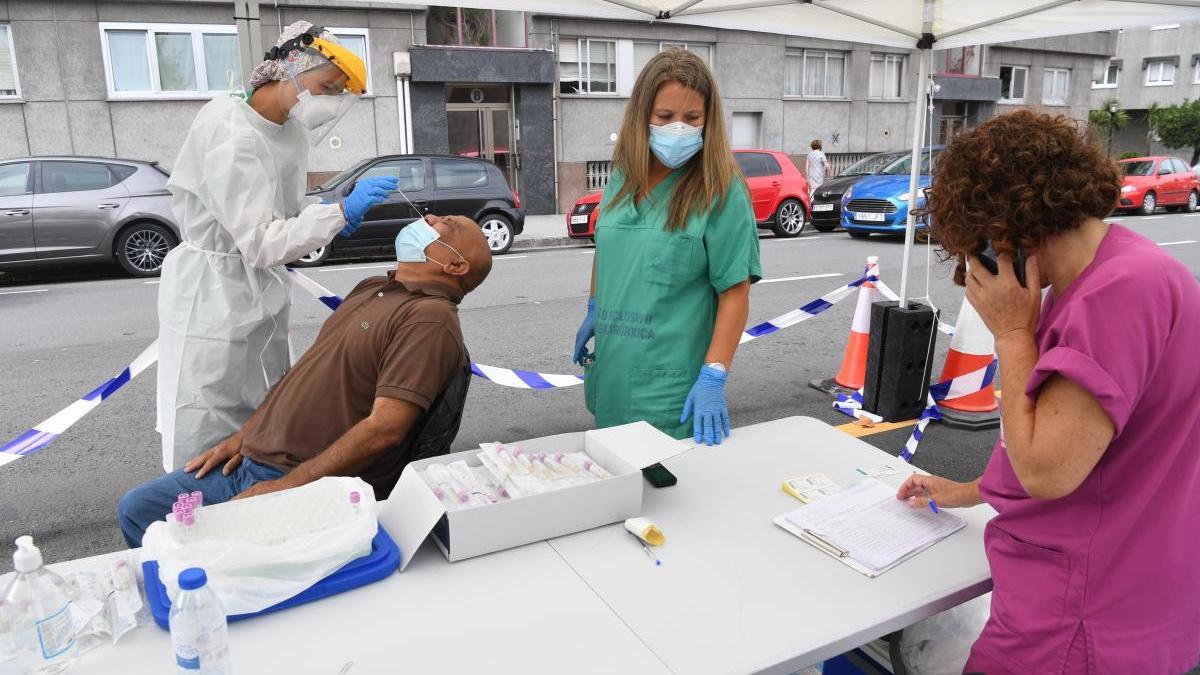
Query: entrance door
x: 481, y: 124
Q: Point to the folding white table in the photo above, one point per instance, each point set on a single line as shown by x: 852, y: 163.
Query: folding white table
x: 520, y: 611
x: 738, y: 594
x: 735, y: 593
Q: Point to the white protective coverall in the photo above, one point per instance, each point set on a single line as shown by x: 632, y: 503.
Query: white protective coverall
x: 237, y: 190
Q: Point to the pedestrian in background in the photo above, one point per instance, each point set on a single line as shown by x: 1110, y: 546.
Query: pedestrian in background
x: 676, y: 252
x: 1096, y: 475
x: 816, y: 168
x: 237, y: 190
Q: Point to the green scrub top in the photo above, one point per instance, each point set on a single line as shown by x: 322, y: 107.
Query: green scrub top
x: 656, y: 300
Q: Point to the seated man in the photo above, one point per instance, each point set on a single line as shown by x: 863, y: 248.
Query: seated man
x: 347, y: 407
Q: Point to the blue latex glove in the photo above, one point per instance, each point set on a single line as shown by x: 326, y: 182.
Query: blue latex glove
x: 367, y: 192
x: 707, y: 399
x: 587, y: 330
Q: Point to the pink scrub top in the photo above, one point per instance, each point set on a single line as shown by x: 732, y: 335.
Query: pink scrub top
x: 1107, y: 579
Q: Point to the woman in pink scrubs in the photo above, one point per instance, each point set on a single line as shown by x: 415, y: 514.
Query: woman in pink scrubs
x: 1095, y: 551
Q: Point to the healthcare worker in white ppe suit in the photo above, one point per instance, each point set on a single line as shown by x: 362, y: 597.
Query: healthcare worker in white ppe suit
x: 237, y: 189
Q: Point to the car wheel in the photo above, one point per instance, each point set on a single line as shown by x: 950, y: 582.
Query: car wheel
x: 313, y: 259
x: 789, y: 219
x: 824, y: 228
x: 141, y: 249
x: 498, y: 232
x: 1149, y: 204
x: 1193, y: 202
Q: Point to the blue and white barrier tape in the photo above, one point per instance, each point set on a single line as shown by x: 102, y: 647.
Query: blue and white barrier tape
x: 518, y: 379
x: 806, y: 312
x: 46, y: 431
x: 963, y: 385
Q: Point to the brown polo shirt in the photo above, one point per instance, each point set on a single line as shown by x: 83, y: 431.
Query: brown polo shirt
x: 386, y: 339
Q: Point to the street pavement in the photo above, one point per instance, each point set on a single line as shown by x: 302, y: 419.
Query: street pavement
x: 63, y: 332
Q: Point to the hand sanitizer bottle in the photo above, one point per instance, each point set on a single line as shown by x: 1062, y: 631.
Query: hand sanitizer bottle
x: 38, y: 608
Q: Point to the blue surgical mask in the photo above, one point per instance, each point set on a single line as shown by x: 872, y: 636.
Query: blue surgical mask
x: 675, y: 143
x: 414, y: 239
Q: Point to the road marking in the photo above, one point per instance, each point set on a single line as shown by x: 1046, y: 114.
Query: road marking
x: 152, y: 283
x: 352, y: 269
x: 808, y: 238
x: 508, y: 257
x: 1177, y: 243
x: 810, y: 276
x: 37, y: 290
x: 1151, y: 217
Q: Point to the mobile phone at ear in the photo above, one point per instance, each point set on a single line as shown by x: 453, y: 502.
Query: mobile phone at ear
x: 658, y: 476
x: 990, y: 260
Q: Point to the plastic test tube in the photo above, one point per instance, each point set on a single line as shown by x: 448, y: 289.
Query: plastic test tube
x: 507, y: 457
x: 570, y: 467
x: 596, y: 469
x: 198, y: 498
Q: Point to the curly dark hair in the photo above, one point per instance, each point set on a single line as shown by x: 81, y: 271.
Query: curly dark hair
x: 1018, y: 179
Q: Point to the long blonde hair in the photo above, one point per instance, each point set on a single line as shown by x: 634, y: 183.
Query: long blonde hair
x: 708, y: 174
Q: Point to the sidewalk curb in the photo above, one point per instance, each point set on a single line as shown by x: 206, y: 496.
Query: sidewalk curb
x: 549, y: 242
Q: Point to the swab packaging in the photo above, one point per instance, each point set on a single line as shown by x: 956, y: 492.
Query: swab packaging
x: 502, y: 495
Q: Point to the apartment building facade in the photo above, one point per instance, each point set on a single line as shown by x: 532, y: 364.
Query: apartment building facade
x: 1155, y: 66
x: 541, y: 96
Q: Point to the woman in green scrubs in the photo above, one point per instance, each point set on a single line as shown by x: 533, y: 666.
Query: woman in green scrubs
x: 676, y: 252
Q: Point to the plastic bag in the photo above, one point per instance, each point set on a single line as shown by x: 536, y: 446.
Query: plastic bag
x: 941, y: 644
x: 260, y: 551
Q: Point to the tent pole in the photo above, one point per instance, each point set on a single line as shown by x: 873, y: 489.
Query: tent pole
x: 914, y: 174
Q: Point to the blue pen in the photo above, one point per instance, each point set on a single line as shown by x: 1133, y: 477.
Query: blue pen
x: 932, y: 504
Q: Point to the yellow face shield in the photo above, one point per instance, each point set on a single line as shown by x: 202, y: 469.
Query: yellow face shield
x: 346, y: 61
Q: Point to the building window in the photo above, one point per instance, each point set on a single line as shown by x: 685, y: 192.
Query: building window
x: 1110, y: 78
x: 1012, y: 83
x: 9, y: 86
x: 587, y: 66
x: 815, y: 73
x: 1056, y: 84
x: 463, y: 27
x: 644, y: 51
x: 964, y: 61
x: 1160, y: 73
x: 357, y: 41
x: 170, y: 60
x: 1196, y: 71
x: 887, y: 76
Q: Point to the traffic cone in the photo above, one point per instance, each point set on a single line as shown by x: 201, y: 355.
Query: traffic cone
x: 971, y: 349
x: 853, y: 372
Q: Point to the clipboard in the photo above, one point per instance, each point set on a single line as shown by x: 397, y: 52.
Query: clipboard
x: 831, y: 548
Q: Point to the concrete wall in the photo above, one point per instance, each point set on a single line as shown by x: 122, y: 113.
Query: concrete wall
x: 1136, y: 44
x: 64, y: 107
x: 749, y: 71
x: 1082, y: 67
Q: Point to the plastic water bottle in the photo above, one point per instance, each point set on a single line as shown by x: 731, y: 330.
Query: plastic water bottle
x: 199, y: 633
x: 37, y: 605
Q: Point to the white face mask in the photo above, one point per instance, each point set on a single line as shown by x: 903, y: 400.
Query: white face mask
x: 311, y: 111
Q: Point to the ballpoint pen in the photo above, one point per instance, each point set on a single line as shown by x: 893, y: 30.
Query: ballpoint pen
x: 932, y: 504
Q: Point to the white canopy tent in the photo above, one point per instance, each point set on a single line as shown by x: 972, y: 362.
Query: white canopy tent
x: 919, y: 24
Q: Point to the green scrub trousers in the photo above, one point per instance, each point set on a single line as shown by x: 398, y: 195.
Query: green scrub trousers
x: 656, y: 300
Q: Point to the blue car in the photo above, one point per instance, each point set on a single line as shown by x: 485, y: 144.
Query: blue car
x: 879, y: 203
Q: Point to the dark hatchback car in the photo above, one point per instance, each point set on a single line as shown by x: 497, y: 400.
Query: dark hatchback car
x: 438, y: 184
x: 827, y: 202
x: 64, y: 210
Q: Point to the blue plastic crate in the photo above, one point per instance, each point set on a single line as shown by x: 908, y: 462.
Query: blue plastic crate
x: 383, y: 560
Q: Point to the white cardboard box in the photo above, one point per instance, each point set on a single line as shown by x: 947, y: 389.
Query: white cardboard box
x: 413, y: 512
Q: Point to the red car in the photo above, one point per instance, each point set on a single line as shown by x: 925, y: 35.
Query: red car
x: 1151, y: 182
x: 778, y: 191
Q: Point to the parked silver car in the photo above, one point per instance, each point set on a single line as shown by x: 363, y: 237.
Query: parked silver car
x: 58, y: 210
